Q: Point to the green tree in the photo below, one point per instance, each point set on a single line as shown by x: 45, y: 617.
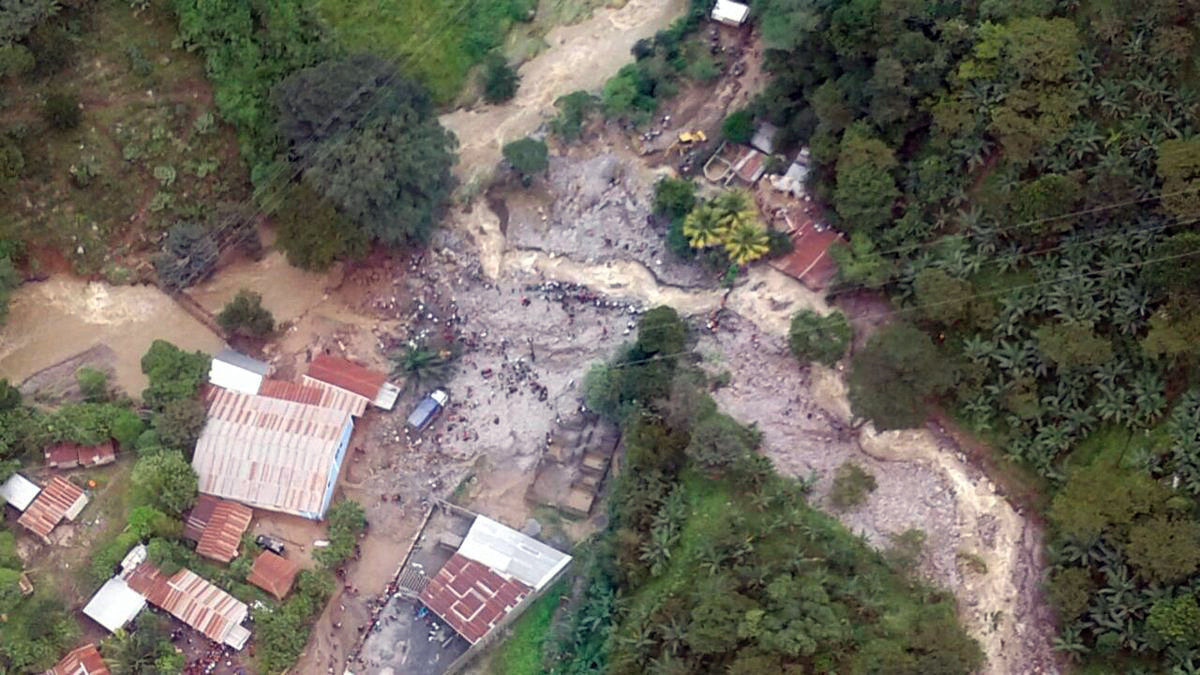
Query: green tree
x: 1070, y: 590
x: 1176, y: 620
x: 866, y: 192
x: 126, y: 427
x: 165, y: 481
x: 813, y: 337
x: 527, y: 156
x: 661, y: 331
x: 851, y: 485
x: 1100, y: 497
x: 147, y: 521
x: 703, y: 227
x: 9, y: 280
x: 738, y: 127
x: 422, y: 366
x: 172, y: 372
x: 61, y: 111
x: 746, y: 242
x: 1072, y: 345
x: 499, y: 80
x: 718, y: 442
x: 895, y: 373
x: 10, y: 396
x: 573, y: 111
x: 943, y: 298
x: 1164, y: 549
x: 245, y: 316
x: 179, y: 424
x: 92, y: 383
x: 1179, y: 169
x: 313, y: 234
x: 346, y: 520
x: 674, y: 197
x: 189, y: 256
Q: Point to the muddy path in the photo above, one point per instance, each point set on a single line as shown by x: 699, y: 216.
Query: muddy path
x: 580, y: 56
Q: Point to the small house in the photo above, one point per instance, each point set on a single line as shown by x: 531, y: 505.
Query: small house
x: 273, y: 573
x: 19, y: 492
x: 237, y: 372
x: 68, y: 455
x: 60, y: 500
x: 85, y: 660
x: 350, y: 376
x: 116, y: 604
x: 217, y: 526
x: 730, y: 13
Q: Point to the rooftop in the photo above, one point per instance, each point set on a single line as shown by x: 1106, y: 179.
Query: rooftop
x: 60, y: 499
x: 315, y: 392
x: 242, y: 361
x: 114, y: 605
x: 217, y: 525
x: 68, y: 455
x: 809, y: 260
x: 19, y: 491
x: 268, y: 452
x: 511, y: 553
x: 85, y: 660
x: 471, y: 597
x: 194, y: 601
x: 348, y: 375
x: 274, y: 574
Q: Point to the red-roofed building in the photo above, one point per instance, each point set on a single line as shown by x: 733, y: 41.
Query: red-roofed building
x: 274, y: 574
x: 350, y: 376
x: 194, y: 601
x: 71, y: 455
x: 315, y: 392
x: 85, y: 660
x: 471, y: 597
x: 59, y: 499
x: 809, y: 260
x: 217, y: 526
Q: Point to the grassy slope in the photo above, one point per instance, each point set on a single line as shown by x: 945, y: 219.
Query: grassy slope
x: 521, y: 653
x: 152, y: 110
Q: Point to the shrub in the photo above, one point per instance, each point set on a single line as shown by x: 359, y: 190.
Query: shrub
x: 738, y: 127
x: 61, y: 111
x: 813, y: 337
x: 851, y: 485
x: 245, y: 315
x: 93, y: 384
x: 674, y: 197
x: 573, y: 110
x: 500, y: 80
x: 528, y: 156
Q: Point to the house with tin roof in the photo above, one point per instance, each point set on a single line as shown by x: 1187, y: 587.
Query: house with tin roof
x: 59, y: 500
x: 85, y: 660
x: 116, y: 604
x: 18, y: 491
x: 271, y: 453
x: 217, y: 526
x: 493, y: 571
x: 347, y: 375
x: 68, y: 455
x: 273, y: 573
x: 237, y: 372
x: 194, y: 601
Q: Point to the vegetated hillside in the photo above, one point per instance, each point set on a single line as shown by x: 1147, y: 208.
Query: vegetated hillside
x: 714, y: 563
x: 1021, y: 178
x: 435, y: 42
x: 107, y: 137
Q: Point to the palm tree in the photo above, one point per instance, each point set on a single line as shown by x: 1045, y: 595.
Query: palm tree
x: 746, y: 242
x: 422, y: 366
x: 704, y: 226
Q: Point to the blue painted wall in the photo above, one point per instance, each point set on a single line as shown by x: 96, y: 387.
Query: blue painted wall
x: 334, y: 469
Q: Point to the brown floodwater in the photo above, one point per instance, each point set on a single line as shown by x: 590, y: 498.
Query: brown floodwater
x: 53, y: 320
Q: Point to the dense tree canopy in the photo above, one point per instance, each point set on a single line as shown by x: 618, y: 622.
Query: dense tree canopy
x: 893, y: 376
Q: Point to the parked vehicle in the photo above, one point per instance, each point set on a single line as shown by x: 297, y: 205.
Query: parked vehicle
x: 270, y: 543
x: 427, y: 410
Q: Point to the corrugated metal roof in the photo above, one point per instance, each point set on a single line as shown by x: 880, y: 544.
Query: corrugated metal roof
x: 69, y: 455
x: 114, y: 605
x: 56, y: 501
x: 198, y: 516
x: 19, y: 491
x: 511, y: 553
x: 62, y: 455
x: 733, y: 13
x: 315, y: 392
x: 347, y: 375
x: 194, y: 601
x: 242, y: 361
x: 274, y: 574
x: 85, y: 660
x: 267, y: 452
x: 470, y: 597
x: 223, y: 532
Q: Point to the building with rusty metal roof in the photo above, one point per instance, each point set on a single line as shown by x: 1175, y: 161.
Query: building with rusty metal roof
x: 217, y: 526
x: 350, y: 376
x: 195, y: 602
x: 270, y: 453
x: 315, y: 392
x: 274, y: 574
x: 494, y: 569
x: 58, y: 500
x: 472, y: 597
x: 85, y: 660
x: 70, y: 455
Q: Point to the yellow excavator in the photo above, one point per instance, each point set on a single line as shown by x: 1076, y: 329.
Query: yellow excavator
x: 686, y: 139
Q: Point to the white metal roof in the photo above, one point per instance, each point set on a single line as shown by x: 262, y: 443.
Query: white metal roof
x: 764, y: 137
x: 114, y: 605
x: 730, y: 12
x: 19, y: 491
x: 235, y: 377
x: 511, y: 553
x: 242, y: 361
x: 268, y: 452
